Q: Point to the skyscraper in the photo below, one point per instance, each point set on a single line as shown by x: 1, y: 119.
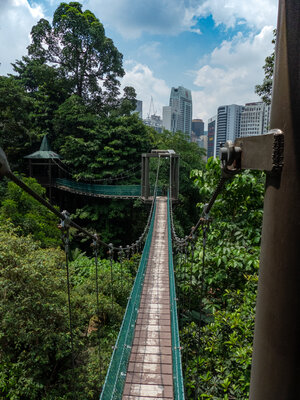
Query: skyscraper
x: 255, y: 119
x: 198, y: 127
x: 211, y: 136
x: 179, y: 116
x: 228, y: 124
x: 139, y: 108
x: 170, y: 118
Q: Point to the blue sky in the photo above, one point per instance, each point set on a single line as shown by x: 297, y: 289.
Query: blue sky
x: 216, y: 48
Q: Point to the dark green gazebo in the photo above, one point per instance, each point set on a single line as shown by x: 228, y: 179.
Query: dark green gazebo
x: 42, y: 165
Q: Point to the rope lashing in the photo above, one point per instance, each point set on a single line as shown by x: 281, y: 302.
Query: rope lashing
x: 65, y: 226
x: 95, y: 245
x: 111, y: 254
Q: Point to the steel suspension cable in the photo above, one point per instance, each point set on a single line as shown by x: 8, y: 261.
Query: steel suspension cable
x: 64, y: 215
x: 65, y: 240
x: 119, y: 176
x: 95, y: 246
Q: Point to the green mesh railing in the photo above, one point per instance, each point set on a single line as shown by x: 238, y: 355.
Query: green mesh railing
x: 104, y: 190
x: 176, y: 352
x: 116, y: 374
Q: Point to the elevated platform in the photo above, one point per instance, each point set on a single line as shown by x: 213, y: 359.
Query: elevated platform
x: 150, y: 370
x: 103, y: 191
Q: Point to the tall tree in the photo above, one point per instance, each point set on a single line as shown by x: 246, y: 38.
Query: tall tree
x: 76, y: 45
x: 265, y: 89
x: 15, y: 124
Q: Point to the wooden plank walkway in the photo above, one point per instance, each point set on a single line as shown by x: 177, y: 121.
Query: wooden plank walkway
x: 149, y: 374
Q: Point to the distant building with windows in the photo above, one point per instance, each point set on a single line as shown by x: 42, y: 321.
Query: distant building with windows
x: 170, y: 118
x: 228, y: 124
x: 155, y: 122
x: 211, y: 136
x: 178, y: 115
x: 139, y: 108
x: 255, y: 119
x: 198, y: 127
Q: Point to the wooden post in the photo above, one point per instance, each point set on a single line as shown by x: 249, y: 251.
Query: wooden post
x: 275, y: 373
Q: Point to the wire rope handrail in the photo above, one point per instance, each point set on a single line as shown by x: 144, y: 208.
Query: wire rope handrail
x: 116, y: 375
x: 123, y: 175
x: 176, y: 348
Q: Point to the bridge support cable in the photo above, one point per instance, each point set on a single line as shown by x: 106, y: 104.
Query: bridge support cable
x: 67, y: 222
x: 124, y: 175
x: 116, y: 374
x: 176, y: 348
x: 66, y: 242
x: 96, y: 250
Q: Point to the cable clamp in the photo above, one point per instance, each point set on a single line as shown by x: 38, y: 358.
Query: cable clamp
x: 65, y: 222
x: 205, y: 214
x: 230, y: 156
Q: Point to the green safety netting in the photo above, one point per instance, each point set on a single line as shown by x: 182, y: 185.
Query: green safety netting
x: 116, y: 374
x: 176, y: 349
x: 103, y: 190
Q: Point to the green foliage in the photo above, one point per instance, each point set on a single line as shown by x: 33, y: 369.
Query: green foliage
x: 36, y: 360
x: 191, y: 157
x: 28, y: 214
x: 34, y: 338
x: 15, y: 124
x: 99, y: 148
x: 265, y: 89
x: 76, y: 44
x: 217, y: 302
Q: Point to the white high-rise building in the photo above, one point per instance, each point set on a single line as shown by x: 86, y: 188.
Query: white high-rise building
x: 228, y: 124
x: 154, y: 121
x: 211, y: 136
x: 170, y: 118
x: 139, y: 108
x: 255, y: 119
x: 178, y: 116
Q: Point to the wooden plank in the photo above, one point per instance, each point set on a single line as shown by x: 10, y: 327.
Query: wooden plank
x: 149, y: 373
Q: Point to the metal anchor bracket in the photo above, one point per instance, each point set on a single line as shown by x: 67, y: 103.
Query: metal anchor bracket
x: 262, y: 152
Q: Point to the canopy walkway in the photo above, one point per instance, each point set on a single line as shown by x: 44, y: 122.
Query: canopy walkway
x: 146, y: 361
x: 104, y: 191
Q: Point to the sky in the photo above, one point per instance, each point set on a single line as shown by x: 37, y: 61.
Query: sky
x: 215, y: 48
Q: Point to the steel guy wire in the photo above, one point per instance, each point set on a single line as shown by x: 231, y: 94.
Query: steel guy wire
x: 120, y: 176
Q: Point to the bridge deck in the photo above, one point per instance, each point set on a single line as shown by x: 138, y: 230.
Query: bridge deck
x: 149, y: 374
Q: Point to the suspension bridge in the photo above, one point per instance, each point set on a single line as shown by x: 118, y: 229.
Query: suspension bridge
x: 146, y: 360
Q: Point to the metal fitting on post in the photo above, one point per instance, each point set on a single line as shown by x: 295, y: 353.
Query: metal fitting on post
x: 230, y: 156
x: 4, y: 166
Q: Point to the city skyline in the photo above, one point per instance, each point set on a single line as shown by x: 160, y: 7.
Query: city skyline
x: 215, y: 50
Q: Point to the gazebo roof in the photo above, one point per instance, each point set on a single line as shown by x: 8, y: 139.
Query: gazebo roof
x: 44, y: 152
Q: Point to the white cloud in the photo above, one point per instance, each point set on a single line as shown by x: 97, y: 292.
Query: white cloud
x: 150, y: 49
x: 146, y: 85
x: 256, y: 13
x: 231, y: 73
x: 133, y: 17
x: 16, y: 20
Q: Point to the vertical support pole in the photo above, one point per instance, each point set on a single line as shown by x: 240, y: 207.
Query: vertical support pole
x: 50, y: 180
x: 176, y: 194
x: 143, y: 176
x: 275, y: 370
x: 173, y: 177
x: 147, y: 185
